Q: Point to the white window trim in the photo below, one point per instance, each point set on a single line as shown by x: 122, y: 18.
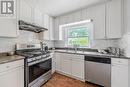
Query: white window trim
x: 78, y: 23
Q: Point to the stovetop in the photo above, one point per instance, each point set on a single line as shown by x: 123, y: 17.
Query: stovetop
x: 33, y: 53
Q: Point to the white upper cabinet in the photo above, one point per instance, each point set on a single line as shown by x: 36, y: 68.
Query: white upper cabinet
x: 56, y: 28
x: 51, y: 31
x: 46, y: 21
x: 48, y: 24
x: 114, y: 19
x: 33, y: 15
x: 107, y: 19
x: 84, y: 14
x: 97, y: 14
x: 63, y: 20
x: 9, y: 24
x: 9, y: 28
x: 25, y: 12
x: 38, y: 18
x: 70, y: 18
x: 77, y: 16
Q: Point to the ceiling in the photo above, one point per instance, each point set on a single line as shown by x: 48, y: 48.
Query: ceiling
x: 59, y: 7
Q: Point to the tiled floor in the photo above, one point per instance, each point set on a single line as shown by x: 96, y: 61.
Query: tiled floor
x: 64, y: 81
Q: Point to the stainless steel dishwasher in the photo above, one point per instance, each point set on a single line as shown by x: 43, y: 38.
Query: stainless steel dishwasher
x: 98, y: 70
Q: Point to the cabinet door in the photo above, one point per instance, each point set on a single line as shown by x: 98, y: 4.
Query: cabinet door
x: 78, y: 68
x: 84, y: 14
x: 114, y: 19
x: 25, y: 11
x: 51, y: 34
x: 77, y: 16
x: 63, y: 20
x: 9, y: 28
x: 70, y: 18
x: 38, y: 18
x: 12, y: 78
x: 58, y: 61
x: 21, y: 76
x: 120, y: 76
x: 56, y: 29
x: 97, y: 14
x: 66, y: 64
x: 46, y: 22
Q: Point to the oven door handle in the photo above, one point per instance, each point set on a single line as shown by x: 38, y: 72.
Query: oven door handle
x: 38, y: 61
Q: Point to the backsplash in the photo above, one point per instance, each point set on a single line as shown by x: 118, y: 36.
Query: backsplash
x: 8, y: 44
x: 97, y: 44
x: 124, y: 43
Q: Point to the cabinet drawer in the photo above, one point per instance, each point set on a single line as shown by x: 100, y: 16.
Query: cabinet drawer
x: 78, y: 57
x: 67, y: 56
x: 11, y: 65
x: 120, y: 61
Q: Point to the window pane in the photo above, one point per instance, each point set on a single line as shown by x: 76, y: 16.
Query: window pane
x: 77, y: 31
x: 82, y: 41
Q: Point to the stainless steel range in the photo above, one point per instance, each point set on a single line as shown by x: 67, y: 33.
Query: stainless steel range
x: 37, y: 64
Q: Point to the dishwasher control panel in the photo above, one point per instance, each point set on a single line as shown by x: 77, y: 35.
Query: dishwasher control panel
x: 98, y: 59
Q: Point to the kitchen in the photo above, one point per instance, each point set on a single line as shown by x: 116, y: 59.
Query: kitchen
x: 47, y: 43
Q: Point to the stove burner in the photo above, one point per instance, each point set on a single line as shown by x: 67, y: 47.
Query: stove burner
x: 33, y: 53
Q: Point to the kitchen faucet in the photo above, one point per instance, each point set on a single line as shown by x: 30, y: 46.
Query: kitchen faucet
x: 75, y: 47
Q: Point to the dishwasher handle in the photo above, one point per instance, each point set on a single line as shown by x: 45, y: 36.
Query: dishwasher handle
x: 98, y: 59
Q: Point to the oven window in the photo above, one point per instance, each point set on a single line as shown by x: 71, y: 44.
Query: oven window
x: 39, y: 69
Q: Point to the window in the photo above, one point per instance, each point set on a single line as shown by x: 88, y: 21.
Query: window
x: 79, y: 33
x: 78, y: 36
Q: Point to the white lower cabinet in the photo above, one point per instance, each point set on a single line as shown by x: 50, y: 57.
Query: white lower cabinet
x: 78, y: 68
x: 58, y: 61
x: 71, y: 65
x: 13, y: 76
x: 66, y: 66
x: 120, y: 73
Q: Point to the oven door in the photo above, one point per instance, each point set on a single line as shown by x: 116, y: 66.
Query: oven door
x: 37, y: 70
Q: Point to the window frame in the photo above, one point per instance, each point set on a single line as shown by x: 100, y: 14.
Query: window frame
x: 67, y: 37
x: 86, y: 23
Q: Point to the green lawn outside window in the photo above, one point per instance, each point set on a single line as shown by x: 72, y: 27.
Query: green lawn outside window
x: 78, y: 36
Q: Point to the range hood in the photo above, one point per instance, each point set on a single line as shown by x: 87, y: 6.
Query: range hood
x: 30, y: 27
